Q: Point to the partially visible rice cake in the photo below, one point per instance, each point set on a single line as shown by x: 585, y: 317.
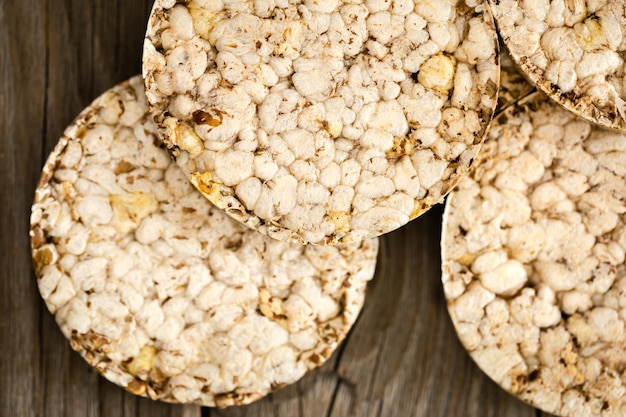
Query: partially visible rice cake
x: 513, y: 85
x: 533, y: 260
x: 164, y: 294
x: 322, y: 122
x: 573, y: 50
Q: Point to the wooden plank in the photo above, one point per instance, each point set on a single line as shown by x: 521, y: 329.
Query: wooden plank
x: 82, y: 396
x: 54, y: 371
x: 317, y: 398
x: 261, y: 408
x: 22, y: 69
x: 132, y: 17
x: 112, y: 399
x: 70, y: 389
x: 147, y: 407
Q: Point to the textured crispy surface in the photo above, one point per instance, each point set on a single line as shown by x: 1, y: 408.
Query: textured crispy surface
x: 161, y: 292
x: 322, y: 122
x: 573, y: 50
x: 533, y: 260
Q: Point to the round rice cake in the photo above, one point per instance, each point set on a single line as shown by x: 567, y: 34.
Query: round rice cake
x: 533, y: 260
x: 322, y: 122
x: 573, y: 50
x: 163, y: 293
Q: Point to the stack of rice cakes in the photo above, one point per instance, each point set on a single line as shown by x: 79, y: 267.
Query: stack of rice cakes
x: 168, y: 298
x: 332, y: 124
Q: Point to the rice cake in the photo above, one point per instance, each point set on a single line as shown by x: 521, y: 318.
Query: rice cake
x: 533, y: 260
x: 322, y: 122
x: 163, y: 293
x: 573, y: 50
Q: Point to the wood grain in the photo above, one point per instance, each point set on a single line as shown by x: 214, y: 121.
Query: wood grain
x: 401, y: 359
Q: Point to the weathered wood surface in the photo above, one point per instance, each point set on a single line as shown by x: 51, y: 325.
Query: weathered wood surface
x: 402, y: 358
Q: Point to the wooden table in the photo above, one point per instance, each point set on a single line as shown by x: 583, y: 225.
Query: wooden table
x: 401, y: 359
